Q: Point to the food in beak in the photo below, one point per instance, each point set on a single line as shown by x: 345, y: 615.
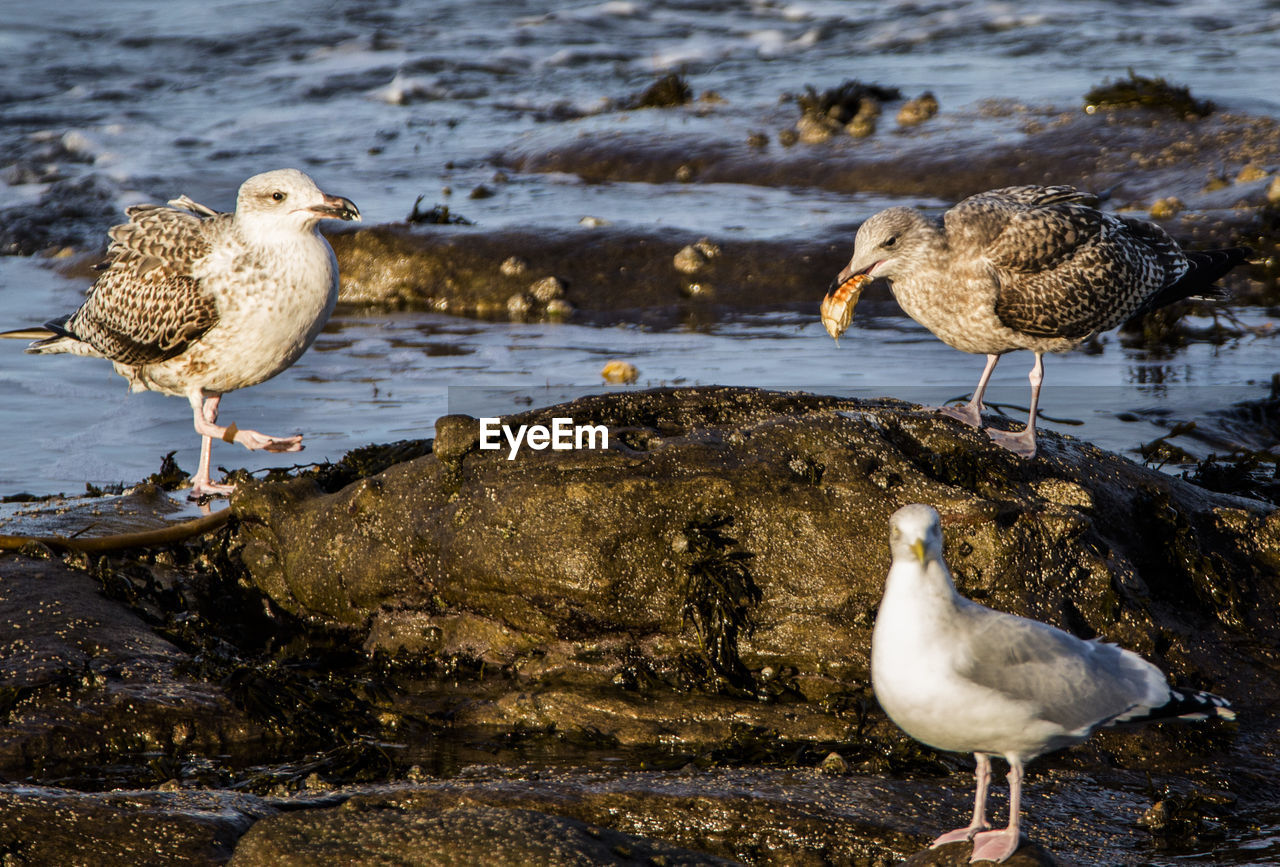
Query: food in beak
x: 837, y: 307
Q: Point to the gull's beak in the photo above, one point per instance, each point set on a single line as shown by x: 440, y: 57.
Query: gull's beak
x: 917, y: 548
x: 336, y: 208
x: 849, y: 274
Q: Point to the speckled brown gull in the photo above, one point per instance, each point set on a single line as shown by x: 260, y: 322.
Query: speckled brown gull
x: 962, y: 677
x: 196, y: 303
x: 1028, y: 267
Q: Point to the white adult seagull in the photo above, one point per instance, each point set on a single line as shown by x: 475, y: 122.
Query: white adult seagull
x: 961, y: 677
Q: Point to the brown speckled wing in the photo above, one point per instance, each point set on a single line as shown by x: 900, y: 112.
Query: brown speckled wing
x: 1064, y: 269
x: 977, y: 221
x: 147, y: 306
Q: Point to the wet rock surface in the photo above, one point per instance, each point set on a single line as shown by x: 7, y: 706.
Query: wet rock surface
x: 607, y: 274
x: 83, y: 679
x: 41, y: 825
x: 663, y: 643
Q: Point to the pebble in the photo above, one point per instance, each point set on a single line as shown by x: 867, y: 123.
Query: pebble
x: 695, y: 257
x: 1166, y: 208
x: 546, y: 289
x: 918, y: 110
x: 513, y: 266
x: 519, y: 305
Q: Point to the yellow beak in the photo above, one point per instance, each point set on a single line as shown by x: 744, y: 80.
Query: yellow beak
x: 917, y: 548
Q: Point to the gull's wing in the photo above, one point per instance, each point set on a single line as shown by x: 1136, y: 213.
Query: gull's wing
x: 1063, y: 268
x: 1077, y: 685
x: 147, y: 306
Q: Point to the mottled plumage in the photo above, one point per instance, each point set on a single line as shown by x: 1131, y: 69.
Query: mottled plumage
x: 147, y: 306
x: 962, y: 677
x: 1028, y: 267
x: 196, y: 303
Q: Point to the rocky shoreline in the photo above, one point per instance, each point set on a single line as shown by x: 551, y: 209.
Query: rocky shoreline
x: 653, y: 651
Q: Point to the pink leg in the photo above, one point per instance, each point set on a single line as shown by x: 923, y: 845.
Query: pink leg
x: 205, y: 412
x: 206, y: 416
x: 979, y: 823
x: 971, y: 412
x: 202, y: 484
x: 1000, y: 845
x: 1023, y: 444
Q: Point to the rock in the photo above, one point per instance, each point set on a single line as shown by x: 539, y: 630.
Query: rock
x: 704, y: 817
x: 559, y: 308
x: 917, y: 111
x: 615, y: 272
x: 1249, y: 173
x: 455, y: 436
x: 453, y: 835
x: 862, y: 126
x: 694, y: 258
x: 834, y: 765
x: 743, y: 529
x: 519, y: 305
x: 1141, y: 156
x: 547, y: 289
x: 513, y: 266
x: 1167, y: 208
x: 41, y: 825
x: 815, y: 130
x: 84, y: 680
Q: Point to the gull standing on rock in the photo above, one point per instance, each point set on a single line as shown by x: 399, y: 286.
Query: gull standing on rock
x: 1028, y: 267
x: 196, y: 303
x: 961, y: 677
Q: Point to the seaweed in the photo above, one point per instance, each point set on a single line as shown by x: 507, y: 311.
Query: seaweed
x: 720, y: 594
x: 169, y: 477
x: 1139, y: 91
x: 438, y: 215
x: 842, y: 103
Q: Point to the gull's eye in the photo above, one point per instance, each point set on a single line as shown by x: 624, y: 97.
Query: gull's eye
x: 893, y: 239
x: 277, y: 196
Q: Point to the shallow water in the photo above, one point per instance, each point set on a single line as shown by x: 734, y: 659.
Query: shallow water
x: 385, y: 377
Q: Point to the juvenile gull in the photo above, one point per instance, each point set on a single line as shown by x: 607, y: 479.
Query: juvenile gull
x: 1029, y: 267
x: 962, y: 677
x: 195, y: 303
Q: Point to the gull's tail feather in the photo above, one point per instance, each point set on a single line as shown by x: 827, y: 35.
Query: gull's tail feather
x: 52, y: 339
x: 1207, y: 267
x: 1184, y: 705
x: 30, y: 334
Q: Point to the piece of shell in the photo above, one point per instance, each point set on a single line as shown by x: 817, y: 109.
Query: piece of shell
x: 620, y: 372
x: 837, y: 307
